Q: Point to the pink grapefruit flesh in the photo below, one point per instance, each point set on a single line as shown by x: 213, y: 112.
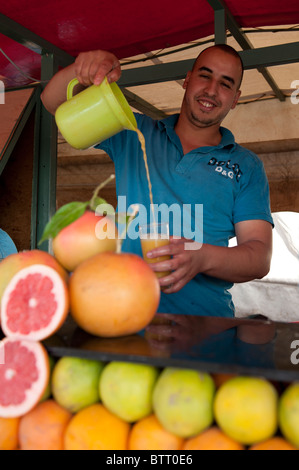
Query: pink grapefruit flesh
x: 24, y: 376
x: 34, y: 304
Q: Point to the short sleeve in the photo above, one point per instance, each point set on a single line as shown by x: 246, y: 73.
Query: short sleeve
x: 108, y: 146
x: 7, y: 246
x: 253, y: 199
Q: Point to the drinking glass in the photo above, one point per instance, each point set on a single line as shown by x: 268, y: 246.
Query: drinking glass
x: 152, y: 236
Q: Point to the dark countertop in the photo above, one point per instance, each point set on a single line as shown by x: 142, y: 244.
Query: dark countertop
x: 254, y: 346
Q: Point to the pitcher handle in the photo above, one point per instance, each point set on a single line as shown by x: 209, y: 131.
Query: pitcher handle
x: 70, y: 88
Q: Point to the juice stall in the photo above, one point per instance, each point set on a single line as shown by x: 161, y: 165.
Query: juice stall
x: 172, y: 382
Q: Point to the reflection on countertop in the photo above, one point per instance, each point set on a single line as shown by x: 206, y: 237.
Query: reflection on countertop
x: 249, y: 346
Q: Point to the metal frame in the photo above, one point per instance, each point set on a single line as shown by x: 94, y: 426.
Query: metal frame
x: 45, y: 139
x: 45, y: 159
x: 45, y: 162
x: 227, y: 18
x: 252, y: 59
x: 18, y: 128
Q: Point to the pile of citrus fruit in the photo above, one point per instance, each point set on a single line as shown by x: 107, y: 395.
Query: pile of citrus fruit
x: 91, y: 405
x: 73, y: 403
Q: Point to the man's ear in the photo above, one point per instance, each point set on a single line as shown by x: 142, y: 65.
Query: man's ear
x: 185, y: 84
x: 238, y: 94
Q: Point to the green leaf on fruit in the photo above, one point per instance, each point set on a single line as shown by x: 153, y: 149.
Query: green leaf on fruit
x: 104, y: 209
x: 65, y: 216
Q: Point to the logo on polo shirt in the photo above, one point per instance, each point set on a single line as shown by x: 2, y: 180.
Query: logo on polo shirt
x: 226, y: 169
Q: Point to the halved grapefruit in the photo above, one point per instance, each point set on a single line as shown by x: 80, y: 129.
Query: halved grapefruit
x: 24, y: 376
x: 17, y: 261
x: 34, y: 304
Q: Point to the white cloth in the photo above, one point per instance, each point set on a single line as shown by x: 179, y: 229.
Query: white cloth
x: 276, y: 296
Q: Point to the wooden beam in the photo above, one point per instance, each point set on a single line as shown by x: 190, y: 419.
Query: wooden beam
x: 265, y: 56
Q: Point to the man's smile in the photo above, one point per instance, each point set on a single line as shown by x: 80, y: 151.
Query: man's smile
x: 206, y: 104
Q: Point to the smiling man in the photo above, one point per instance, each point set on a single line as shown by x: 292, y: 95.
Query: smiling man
x: 193, y: 161
x: 212, y: 90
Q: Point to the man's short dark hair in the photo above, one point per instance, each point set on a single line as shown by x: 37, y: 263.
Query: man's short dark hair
x: 229, y: 50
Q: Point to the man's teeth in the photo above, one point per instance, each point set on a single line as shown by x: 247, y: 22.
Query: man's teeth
x: 206, y: 104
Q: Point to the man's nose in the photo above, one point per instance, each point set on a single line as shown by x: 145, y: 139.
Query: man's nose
x: 211, y: 88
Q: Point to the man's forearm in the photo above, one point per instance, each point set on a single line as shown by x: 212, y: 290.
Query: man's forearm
x: 241, y: 263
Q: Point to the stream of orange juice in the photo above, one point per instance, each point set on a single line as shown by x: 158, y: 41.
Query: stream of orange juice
x: 142, y: 143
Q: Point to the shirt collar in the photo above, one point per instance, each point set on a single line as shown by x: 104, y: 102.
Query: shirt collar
x: 227, y: 141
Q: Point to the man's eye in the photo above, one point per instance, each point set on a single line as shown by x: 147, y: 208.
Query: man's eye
x: 226, y: 85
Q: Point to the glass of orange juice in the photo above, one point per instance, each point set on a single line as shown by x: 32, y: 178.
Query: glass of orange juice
x: 152, y: 236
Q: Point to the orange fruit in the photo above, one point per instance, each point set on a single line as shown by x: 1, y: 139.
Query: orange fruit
x: 43, y: 427
x: 114, y: 294
x: 87, y: 236
x: 148, y: 434
x: 24, y: 376
x: 212, y: 439
x: 96, y: 428
x: 34, y: 304
x: 276, y: 443
x: 9, y: 429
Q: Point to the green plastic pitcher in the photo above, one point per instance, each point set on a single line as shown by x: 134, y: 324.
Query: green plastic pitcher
x: 94, y: 114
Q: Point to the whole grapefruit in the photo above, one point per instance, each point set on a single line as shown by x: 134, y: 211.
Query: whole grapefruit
x: 245, y: 408
x: 132, y: 400
x: 87, y: 236
x: 75, y: 382
x: 183, y: 401
x: 288, y: 413
x: 114, y: 294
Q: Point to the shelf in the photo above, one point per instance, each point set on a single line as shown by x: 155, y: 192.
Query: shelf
x: 256, y: 347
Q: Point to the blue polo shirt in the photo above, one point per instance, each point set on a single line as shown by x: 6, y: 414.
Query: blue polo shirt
x: 215, y: 188
x: 7, y: 246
